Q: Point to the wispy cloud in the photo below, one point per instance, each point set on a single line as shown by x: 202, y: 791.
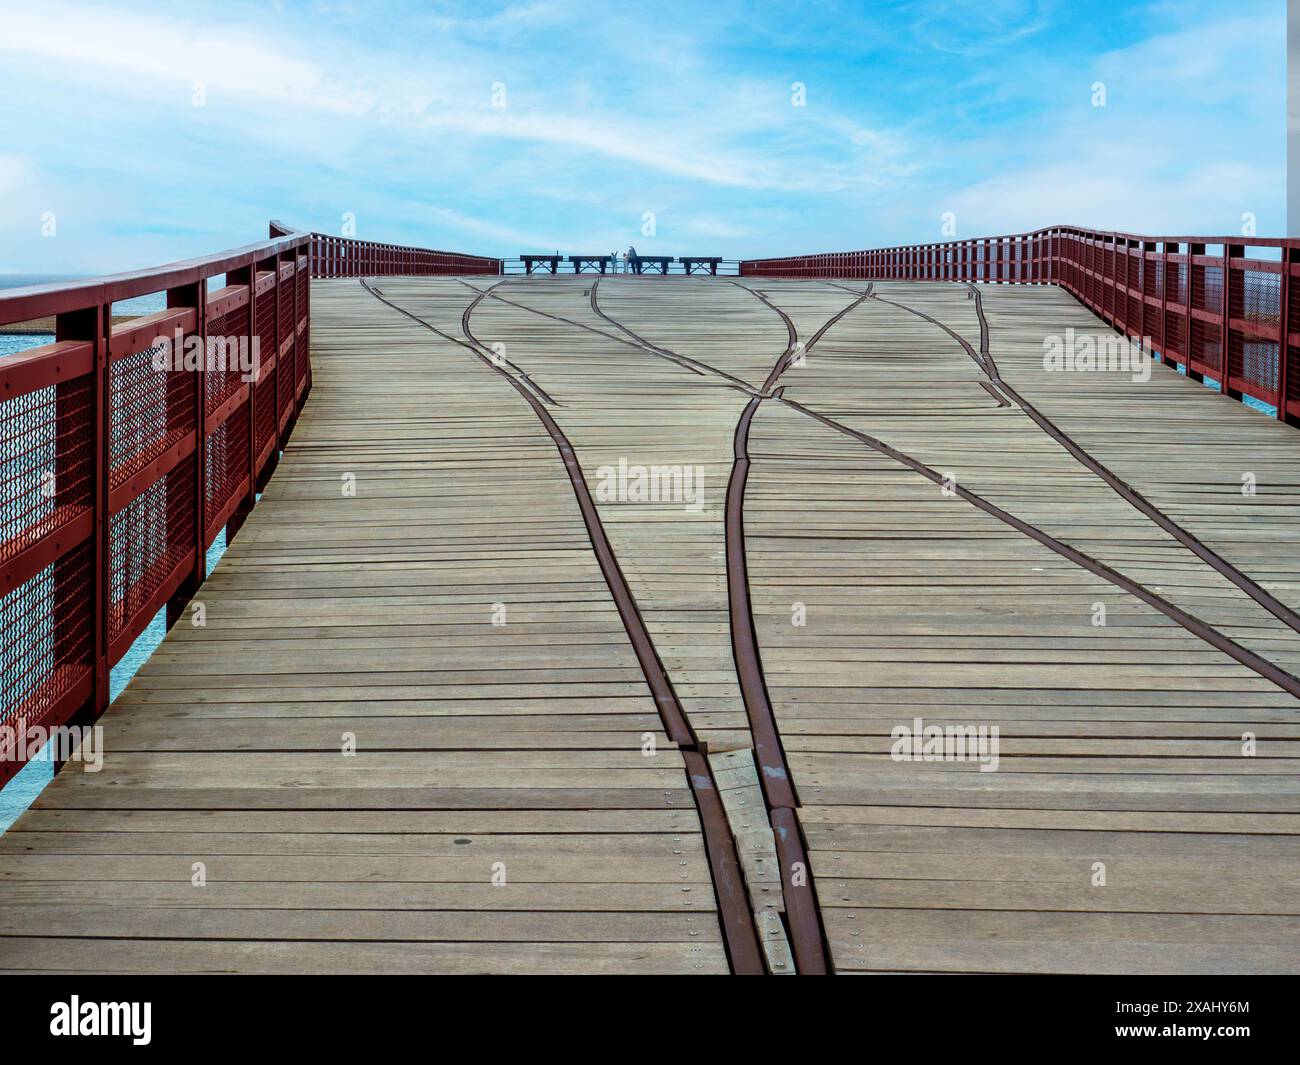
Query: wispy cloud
x: 386, y: 109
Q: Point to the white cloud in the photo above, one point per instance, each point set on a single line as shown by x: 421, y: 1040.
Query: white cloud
x: 276, y: 93
x: 123, y: 47
x: 382, y: 108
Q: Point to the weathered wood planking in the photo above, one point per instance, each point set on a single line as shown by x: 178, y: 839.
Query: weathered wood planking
x: 878, y: 599
x: 920, y: 605
x: 514, y: 749
x: 1120, y: 744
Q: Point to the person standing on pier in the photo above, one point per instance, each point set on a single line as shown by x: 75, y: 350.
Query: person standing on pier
x: 634, y: 264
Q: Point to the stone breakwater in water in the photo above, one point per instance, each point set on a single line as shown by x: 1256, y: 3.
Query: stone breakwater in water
x: 45, y: 326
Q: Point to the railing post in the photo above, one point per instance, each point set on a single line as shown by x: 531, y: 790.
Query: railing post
x: 92, y: 324
x: 1166, y: 249
x: 1112, y: 261
x: 306, y: 335
x: 195, y: 296
x: 1288, y: 359
x: 1123, y: 257
x: 1193, y: 272
x: 236, y: 520
x: 284, y: 299
x: 1233, y: 295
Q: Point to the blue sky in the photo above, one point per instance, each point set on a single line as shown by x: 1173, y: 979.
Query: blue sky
x: 385, y: 110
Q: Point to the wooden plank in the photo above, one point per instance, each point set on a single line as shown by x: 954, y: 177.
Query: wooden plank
x: 225, y: 956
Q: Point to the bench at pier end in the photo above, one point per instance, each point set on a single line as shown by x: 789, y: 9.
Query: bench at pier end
x: 584, y: 262
x: 658, y: 262
x: 700, y: 263
x: 535, y: 263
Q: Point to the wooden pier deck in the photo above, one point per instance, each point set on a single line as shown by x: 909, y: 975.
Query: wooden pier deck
x: 454, y: 708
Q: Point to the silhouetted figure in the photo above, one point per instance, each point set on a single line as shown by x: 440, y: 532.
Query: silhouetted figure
x: 634, y: 261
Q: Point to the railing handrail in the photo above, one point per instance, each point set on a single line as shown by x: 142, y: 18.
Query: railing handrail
x: 41, y: 301
x: 377, y: 244
x: 1084, y: 232
x: 127, y: 447
x: 337, y: 256
x: 53, y: 298
x: 1225, y: 315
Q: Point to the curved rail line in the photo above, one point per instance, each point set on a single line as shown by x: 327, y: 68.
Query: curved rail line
x: 700, y: 369
x: 491, y: 293
x: 1257, y: 663
x: 492, y: 359
x: 1198, y: 627
x: 738, y: 924
x: 1127, y: 492
x: 1266, y: 669
x: 703, y: 368
x: 807, y: 935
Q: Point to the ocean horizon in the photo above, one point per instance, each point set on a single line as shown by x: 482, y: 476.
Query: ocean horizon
x: 13, y: 343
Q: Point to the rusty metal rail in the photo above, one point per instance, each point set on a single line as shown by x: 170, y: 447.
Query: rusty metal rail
x: 122, y: 458
x: 1232, y: 316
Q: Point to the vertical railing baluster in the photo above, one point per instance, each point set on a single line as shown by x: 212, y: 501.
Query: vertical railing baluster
x: 1193, y: 272
x: 1288, y: 368
x: 90, y: 324
x: 195, y: 295
x: 236, y: 520
x: 1233, y: 295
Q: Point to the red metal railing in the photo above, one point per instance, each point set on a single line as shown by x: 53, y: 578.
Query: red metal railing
x: 119, y: 469
x: 342, y: 257
x: 1228, y: 316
